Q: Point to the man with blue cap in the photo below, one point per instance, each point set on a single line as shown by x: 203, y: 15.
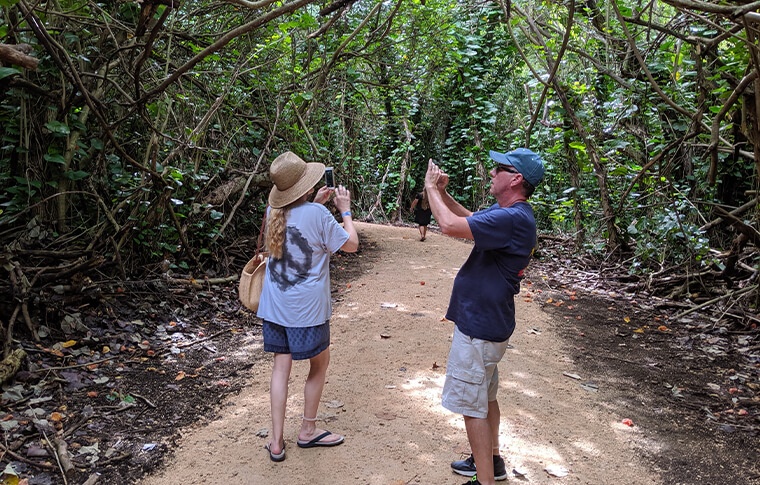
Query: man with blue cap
x: 482, y: 303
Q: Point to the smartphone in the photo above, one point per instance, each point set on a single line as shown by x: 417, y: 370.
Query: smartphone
x: 329, y: 181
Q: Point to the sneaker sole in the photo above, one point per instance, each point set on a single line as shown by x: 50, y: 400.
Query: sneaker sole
x: 465, y: 473
x: 472, y: 473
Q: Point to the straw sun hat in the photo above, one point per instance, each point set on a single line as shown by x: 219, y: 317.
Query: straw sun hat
x: 292, y: 178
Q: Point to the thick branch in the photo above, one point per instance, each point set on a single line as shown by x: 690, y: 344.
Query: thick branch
x: 554, y: 68
x: 715, y: 132
x: 18, y: 55
x: 739, y: 210
x: 714, y: 7
x: 223, y: 41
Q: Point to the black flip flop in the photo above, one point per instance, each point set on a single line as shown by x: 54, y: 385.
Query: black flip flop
x: 317, y: 441
x: 276, y: 457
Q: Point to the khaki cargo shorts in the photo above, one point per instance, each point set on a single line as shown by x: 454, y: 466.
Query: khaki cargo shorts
x: 472, y: 375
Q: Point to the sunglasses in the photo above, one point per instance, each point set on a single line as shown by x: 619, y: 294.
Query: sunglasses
x: 506, y: 168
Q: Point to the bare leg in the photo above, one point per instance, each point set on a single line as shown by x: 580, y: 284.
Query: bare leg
x: 494, y: 419
x: 423, y: 230
x: 278, y: 396
x: 479, y: 435
x: 312, y: 393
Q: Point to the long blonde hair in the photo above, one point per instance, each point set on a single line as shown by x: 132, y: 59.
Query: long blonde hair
x: 277, y: 224
x: 275, y: 231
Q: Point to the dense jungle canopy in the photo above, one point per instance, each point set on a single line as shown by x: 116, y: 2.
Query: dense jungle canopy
x: 136, y: 135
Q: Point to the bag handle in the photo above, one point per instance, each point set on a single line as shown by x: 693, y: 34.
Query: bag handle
x: 260, y: 242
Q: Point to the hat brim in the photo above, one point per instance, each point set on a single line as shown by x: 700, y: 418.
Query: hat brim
x: 516, y: 162
x: 312, y: 175
x: 500, y: 158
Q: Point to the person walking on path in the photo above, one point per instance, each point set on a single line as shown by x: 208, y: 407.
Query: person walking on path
x: 422, y: 213
x: 482, y: 303
x: 295, y: 303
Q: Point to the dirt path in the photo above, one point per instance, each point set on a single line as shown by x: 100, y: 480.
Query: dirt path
x: 389, y: 351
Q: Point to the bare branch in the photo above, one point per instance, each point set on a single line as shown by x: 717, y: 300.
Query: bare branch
x: 223, y: 41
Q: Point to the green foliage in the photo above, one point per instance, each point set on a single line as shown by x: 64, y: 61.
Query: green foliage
x: 667, y: 236
x: 8, y: 71
x: 376, y: 94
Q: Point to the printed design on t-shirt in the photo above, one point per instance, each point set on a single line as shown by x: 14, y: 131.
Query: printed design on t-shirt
x: 296, y: 261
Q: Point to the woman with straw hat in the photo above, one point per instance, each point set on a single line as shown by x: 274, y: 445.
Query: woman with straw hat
x: 295, y: 302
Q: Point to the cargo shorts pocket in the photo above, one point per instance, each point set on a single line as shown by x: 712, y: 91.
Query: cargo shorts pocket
x: 469, y: 376
x: 464, y: 390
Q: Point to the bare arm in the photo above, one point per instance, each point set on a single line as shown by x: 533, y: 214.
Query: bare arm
x: 450, y: 214
x: 453, y: 205
x: 343, y: 204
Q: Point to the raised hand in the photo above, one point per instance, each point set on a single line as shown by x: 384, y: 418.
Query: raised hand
x: 342, y: 199
x: 323, y: 194
x: 435, y: 178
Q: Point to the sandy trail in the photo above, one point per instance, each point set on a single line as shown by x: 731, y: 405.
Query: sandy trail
x: 389, y: 349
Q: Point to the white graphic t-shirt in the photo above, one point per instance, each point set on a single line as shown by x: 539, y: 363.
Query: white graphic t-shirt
x: 297, y: 287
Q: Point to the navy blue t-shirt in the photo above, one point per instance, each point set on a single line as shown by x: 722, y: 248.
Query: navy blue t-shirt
x: 482, y: 302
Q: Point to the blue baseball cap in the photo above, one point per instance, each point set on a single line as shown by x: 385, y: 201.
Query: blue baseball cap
x: 529, y: 164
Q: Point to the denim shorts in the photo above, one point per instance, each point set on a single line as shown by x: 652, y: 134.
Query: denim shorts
x: 302, y: 342
x: 472, y: 375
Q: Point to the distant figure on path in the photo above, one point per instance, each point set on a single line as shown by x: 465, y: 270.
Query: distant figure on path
x: 295, y: 302
x: 422, y: 212
x: 482, y: 301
